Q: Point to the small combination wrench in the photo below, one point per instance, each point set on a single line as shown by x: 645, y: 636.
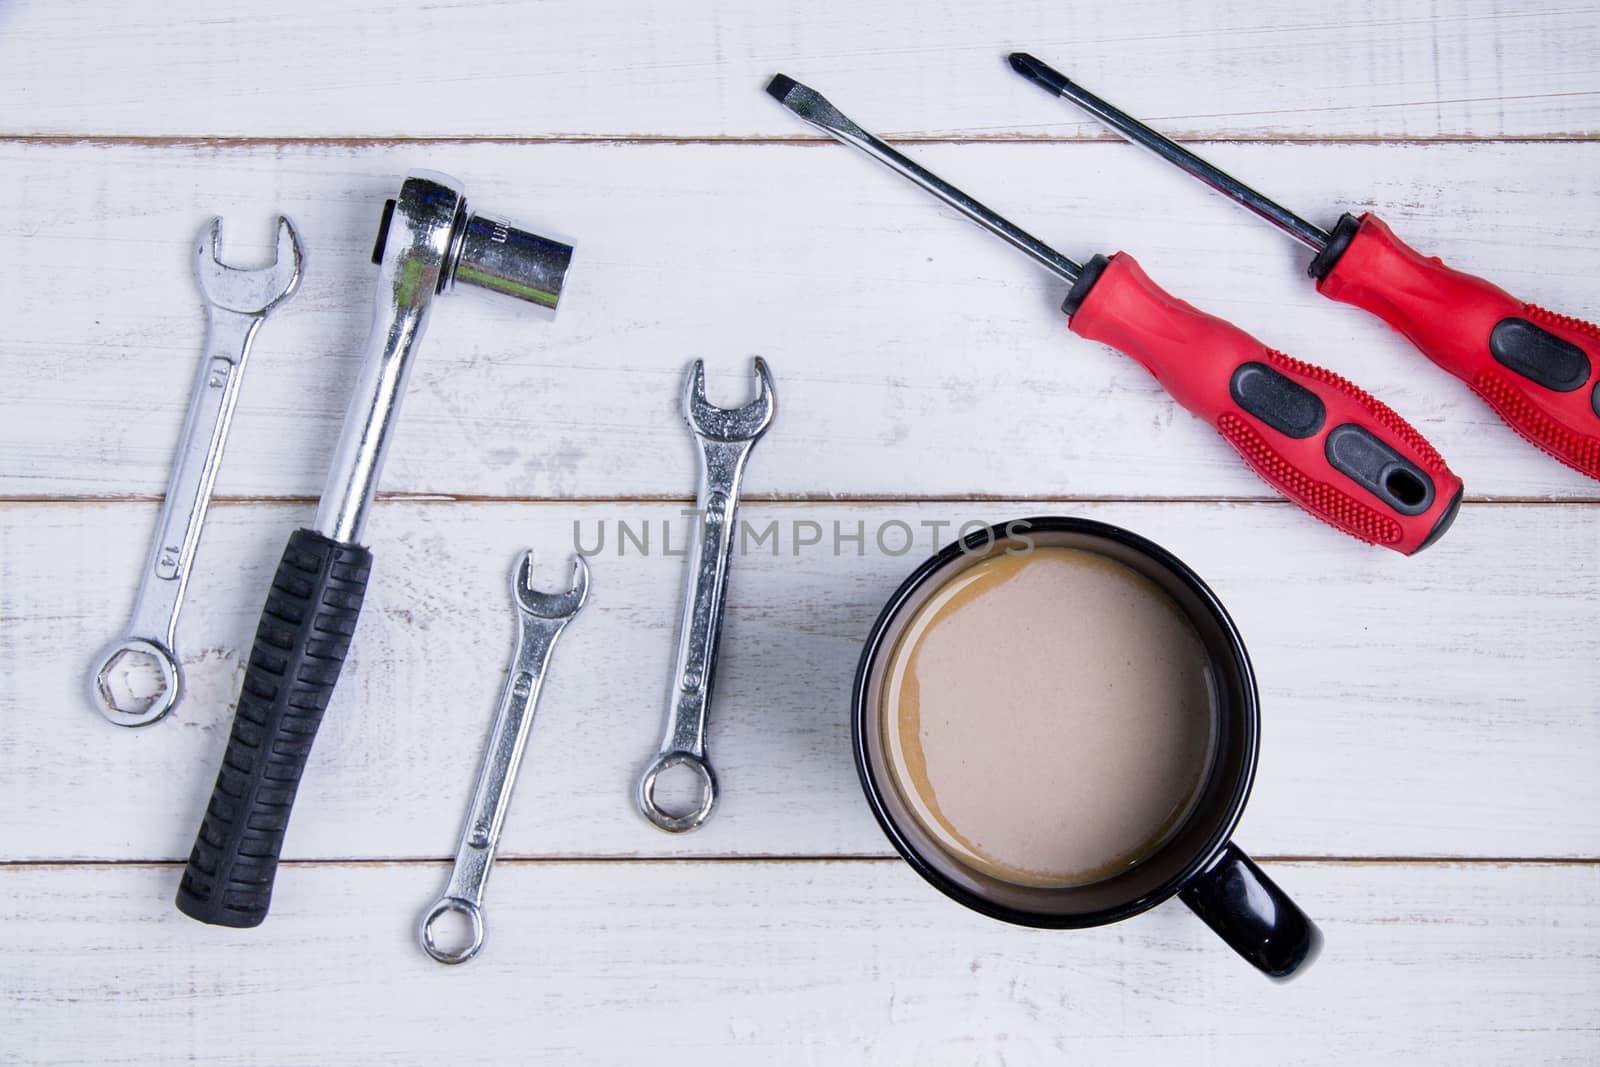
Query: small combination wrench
x: 237, y: 302
x: 726, y: 437
x: 540, y: 619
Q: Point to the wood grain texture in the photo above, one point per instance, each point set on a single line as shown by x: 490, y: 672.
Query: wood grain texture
x: 896, y: 332
x: 819, y: 963
x: 620, y: 68
x: 1423, y: 710
x: 1436, y: 706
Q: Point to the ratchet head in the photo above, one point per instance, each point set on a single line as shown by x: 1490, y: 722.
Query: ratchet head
x: 555, y: 606
x: 250, y: 292
x: 745, y: 423
x: 481, y: 251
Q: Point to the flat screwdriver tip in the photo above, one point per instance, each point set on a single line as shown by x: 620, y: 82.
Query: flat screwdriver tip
x: 779, y: 86
x: 811, y: 106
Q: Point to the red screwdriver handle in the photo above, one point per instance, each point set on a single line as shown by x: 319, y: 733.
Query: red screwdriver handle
x: 1320, y: 441
x: 1536, y: 369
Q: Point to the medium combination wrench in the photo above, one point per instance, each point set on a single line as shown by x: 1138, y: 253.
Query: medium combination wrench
x: 540, y: 619
x: 237, y: 301
x: 726, y: 437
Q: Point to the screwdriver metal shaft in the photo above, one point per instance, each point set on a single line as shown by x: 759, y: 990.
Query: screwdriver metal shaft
x: 1047, y: 77
x: 815, y: 109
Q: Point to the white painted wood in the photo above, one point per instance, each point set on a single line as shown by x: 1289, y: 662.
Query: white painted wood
x: 619, y: 68
x: 794, y: 963
x: 896, y: 331
x: 1442, y: 705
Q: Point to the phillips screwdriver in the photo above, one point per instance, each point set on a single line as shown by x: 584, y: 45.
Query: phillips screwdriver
x: 1326, y: 445
x: 1536, y: 368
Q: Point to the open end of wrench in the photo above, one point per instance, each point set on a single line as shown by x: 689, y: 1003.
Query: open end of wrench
x: 729, y: 424
x: 249, y: 291
x: 112, y: 695
x: 550, y: 605
x: 442, y: 907
x: 707, y: 786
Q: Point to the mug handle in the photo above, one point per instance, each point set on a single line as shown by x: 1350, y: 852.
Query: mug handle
x: 1254, y: 916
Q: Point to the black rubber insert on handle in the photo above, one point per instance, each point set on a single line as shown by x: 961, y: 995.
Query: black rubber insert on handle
x: 300, y: 646
x: 1277, y: 400
x: 1370, y: 462
x: 1539, y: 355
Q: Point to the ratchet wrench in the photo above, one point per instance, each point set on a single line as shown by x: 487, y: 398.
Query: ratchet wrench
x: 237, y: 302
x: 428, y: 244
x: 540, y: 619
x: 726, y: 437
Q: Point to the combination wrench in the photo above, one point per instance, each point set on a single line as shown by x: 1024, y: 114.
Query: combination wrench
x: 540, y: 619
x: 237, y: 302
x: 726, y: 437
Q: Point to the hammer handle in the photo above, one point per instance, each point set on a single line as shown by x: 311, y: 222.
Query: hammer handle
x: 300, y: 646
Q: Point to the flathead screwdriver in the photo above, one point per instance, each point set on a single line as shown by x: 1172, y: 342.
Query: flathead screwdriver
x: 1539, y: 370
x: 1339, y: 454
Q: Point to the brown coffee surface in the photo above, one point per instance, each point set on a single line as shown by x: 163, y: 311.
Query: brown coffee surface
x: 1049, y: 717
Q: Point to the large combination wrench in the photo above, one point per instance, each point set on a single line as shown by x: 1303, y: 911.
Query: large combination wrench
x: 237, y: 302
x: 726, y: 438
x: 540, y: 619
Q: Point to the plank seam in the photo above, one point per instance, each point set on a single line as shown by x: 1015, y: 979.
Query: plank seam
x: 213, y: 142
x: 536, y: 861
x: 796, y: 500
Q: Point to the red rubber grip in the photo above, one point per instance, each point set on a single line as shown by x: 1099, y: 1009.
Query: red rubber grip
x: 1196, y: 357
x: 1450, y: 316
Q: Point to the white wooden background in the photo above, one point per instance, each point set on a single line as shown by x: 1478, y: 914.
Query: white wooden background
x: 1427, y: 785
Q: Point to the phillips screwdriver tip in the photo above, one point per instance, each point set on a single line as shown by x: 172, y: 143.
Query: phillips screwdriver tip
x: 1058, y: 84
x: 1037, y: 71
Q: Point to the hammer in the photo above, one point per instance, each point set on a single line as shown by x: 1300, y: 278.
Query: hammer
x: 428, y: 242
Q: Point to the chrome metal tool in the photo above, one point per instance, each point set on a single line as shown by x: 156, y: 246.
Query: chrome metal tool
x: 428, y: 242
x: 540, y: 619
x: 237, y: 302
x: 726, y: 437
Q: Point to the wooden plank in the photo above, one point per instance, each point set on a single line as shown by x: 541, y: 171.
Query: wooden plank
x: 893, y: 329
x: 611, y: 68
x: 790, y: 962
x: 1436, y: 706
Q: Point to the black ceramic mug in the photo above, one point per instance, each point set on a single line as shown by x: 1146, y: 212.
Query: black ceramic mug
x: 1196, y: 861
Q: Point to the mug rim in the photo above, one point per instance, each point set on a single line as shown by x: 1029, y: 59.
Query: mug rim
x: 1248, y: 714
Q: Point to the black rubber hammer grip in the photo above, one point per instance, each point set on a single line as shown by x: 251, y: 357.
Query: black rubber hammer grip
x: 300, y: 646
